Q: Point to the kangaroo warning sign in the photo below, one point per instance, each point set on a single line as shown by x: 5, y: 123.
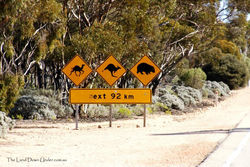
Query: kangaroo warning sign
x: 111, y: 70
x: 145, y: 70
x: 110, y: 96
x: 77, y: 70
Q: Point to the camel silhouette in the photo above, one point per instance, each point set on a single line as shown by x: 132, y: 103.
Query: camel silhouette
x: 77, y: 69
x: 111, y: 68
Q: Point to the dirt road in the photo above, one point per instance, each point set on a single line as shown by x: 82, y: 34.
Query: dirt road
x: 171, y: 141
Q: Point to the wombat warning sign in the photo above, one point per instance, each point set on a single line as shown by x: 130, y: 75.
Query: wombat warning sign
x: 145, y: 70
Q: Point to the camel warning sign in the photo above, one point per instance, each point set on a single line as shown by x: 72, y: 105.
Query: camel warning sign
x: 145, y: 70
x: 111, y: 70
x: 77, y: 70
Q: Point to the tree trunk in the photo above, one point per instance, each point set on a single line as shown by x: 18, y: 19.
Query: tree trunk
x: 39, y: 77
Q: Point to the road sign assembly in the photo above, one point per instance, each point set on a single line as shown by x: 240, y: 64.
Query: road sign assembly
x: 110, y: 96
x: 111, y: 70
x: 145, y: 70
x: 77, y: 70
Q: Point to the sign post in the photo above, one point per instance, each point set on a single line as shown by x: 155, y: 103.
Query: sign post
x: 111, y: 70
x: 110, y: 116
x: 144, y: 114
x: 145, y: 70
x: 77, y: 71
x: 111, y: 96
x: 77, y: 116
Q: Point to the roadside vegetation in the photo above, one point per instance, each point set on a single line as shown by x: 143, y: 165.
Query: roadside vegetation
x: 195, y: 43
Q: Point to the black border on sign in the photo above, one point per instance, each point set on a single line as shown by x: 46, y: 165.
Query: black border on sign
x: 153, y: 63
x: 119, y: 64
x: 111, y: 89
x: 77, y: 55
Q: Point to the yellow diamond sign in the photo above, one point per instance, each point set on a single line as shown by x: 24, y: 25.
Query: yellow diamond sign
x: 77, y: 70
x: 145, y: 70
x: 111, y: 70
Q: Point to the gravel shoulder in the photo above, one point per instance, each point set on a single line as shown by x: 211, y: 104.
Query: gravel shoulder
x: 171, y: 141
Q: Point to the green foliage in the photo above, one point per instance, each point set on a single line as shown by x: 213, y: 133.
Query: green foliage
x: 164, y: 108
x: 19, y: 116
x: 150, y: 110
x: 6, y: 124
x: 193, y: 77
x: 210, y: 56
x: 228, y: 47
x: 10, y: 86
x: 125, y: 112
x: 229, y: 70
x: 40, y: 104
x: 53, y: 31
x: 237, y: 31
x: 247, y: 61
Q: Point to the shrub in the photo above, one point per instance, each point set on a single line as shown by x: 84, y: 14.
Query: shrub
x: 229, y: 70
x: 228, y: 47
x: 40, y: 104
x: 124, y: 112
x: 10, y: 86
x: 6, y: 124
x: 96, y: 112
x: 247, y: 62
x: 193, y: 77
x: 211, y: 86
x: 32, y: 107
x: 170, y: 100
x: 163, y: 107
x: 225, y: 87
x: 188, y: 95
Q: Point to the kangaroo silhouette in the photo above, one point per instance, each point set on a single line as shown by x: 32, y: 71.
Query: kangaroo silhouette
x: 112, y: 68
x: 145, y: 68
x: 77, y: 69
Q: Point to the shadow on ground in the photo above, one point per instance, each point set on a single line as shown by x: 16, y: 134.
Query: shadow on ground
x: 223, y: 131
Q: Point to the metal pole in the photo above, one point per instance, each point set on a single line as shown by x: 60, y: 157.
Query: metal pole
x: 144, y: 114
x: 77, y: 116
x: 110, y: 116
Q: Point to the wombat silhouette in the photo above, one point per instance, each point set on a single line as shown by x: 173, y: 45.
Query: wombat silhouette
x: 145, y: 68
x: 77, y: 69
x: 112, y: 68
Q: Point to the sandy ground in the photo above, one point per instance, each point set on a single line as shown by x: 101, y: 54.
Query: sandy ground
x: 172, y: 141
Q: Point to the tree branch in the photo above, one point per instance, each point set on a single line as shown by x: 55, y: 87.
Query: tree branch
x: 186, y: 36
x: 26, y: 45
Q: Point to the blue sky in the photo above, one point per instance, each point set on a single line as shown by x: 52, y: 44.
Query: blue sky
x: 223, y: 4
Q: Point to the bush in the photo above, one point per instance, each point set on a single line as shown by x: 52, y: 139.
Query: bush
x: 39, y: 104
x: 170, y: 100
x: 193, y: 77
x: 124, y: 112
x: 247, y: 62
x: 163, y: 107
x: 32, y: 107
x: 96, y: 112
x: 6, y: 124
x: 188, y: 95
x: 10, y: 86
x: 226, y: 88
x: 229, y: 70
x: 211, y: 86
